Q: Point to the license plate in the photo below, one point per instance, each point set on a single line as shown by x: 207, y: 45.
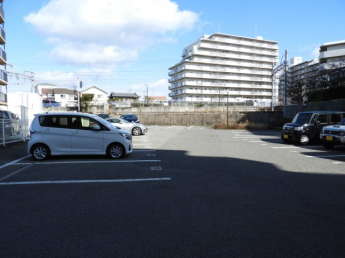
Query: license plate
x: 329, y: 138
x: 285, y: 136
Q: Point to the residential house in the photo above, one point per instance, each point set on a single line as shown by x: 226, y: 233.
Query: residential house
x: 99, y: 96
x: 158, y: 100
x: 123, y: 99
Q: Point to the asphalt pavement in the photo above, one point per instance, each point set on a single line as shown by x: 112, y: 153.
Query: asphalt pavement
x: 183, y: 192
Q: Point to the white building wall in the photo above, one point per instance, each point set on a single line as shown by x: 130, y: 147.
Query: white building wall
x: 21, y: 102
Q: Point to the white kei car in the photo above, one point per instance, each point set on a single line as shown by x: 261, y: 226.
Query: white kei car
x: 134, y: 128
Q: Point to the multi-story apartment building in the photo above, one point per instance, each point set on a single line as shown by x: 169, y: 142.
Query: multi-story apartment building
x: 3, y: 59
x: 225, y: 68
x: 330, y: 66
x: 332, y: 55
x: 332, y: 62
x: 304, y: 73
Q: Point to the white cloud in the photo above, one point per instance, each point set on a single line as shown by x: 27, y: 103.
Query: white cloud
x: 108, y: 30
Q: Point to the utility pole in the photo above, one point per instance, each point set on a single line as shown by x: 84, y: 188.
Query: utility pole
x: 78, y: 85
x: 147, y: 93
x: 285, y: 78
x: 27, y: 75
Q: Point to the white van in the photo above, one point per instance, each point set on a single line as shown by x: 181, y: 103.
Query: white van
x: 76, y: 134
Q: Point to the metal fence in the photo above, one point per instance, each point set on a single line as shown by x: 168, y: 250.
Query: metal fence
x: 13, y: 131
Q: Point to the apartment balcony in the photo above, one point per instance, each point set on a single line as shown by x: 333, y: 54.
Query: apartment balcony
x: 332, y: 53
x: 223, y: 68
x: 2, y: 36
x: 3, y: 99
x: 221, y: 92
x: 3, y: 78
x: 246, y: 56
x: 221, y: 76
x: 239, y: 49
x: 2, y: 14
x: 222, y: 62
x: 3, y: 58
x: 244, y: 42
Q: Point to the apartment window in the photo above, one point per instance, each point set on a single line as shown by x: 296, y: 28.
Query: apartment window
x: 99, y: 96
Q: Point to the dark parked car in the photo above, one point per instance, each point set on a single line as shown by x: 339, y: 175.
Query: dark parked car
x: 104, y: 116
x: 130, y: 118
x: 51, y: 103
x: 306, y: 126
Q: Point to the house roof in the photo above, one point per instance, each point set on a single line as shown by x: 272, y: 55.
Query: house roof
x: 161, y: 98
x: 123, y: 95
x: 94, y: 87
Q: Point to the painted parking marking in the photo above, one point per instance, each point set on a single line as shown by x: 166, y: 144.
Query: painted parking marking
x: 86, y: 181
x: 156, y: 168
x: 286, y: 147
x: 88, y: 162
x: 14, y: 161
x: 190, y: 127
x: 325, y: 156
x: 16, y: 172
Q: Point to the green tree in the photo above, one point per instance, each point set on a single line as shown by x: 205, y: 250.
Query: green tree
x: 296, y: 92
x: 85, y: 102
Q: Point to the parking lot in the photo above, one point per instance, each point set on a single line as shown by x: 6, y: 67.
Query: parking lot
x: 185, y: 191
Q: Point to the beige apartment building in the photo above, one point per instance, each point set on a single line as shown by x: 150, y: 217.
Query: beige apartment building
x: 222, y: 68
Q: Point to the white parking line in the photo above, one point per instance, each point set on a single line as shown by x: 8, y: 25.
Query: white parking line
x: 14, y: 161
x: 88, y: 162
x: 85, y: 181
x: 286, y: 147
x: 169, y: 127
x: 16, y: 172
x: 190, y: 127
x: 325, y: 156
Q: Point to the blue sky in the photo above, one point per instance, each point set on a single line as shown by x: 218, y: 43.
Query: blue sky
x: 126, y: 45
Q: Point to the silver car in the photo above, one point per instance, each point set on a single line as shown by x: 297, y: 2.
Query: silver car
x: 333, y: 135
x: 134, y: 128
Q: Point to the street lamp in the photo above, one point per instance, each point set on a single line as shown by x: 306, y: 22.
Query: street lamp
x: 147, y: 93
